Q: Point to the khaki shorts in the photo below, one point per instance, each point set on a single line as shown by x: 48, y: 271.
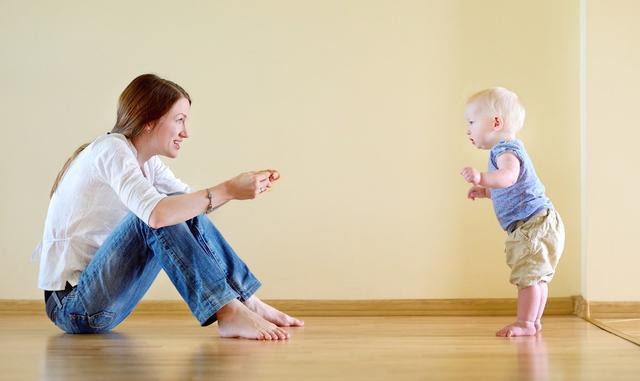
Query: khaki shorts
x: 534, y: 249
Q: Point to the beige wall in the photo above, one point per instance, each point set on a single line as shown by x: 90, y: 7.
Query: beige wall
x: 357, y: 103
x: 612, y: 136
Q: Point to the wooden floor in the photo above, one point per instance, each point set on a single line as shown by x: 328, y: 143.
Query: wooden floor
x: 628, y: 328
x: 174, y: 347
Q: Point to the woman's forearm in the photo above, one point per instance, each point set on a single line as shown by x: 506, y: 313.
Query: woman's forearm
x: 172, y: 210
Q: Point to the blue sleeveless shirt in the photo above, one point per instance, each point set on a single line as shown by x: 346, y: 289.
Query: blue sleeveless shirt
x: 526, y: 197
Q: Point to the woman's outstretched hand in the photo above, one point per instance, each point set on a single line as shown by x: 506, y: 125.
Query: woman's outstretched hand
x: 248, y: 185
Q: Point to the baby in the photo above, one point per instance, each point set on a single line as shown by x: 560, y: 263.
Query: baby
x: 535, y: 231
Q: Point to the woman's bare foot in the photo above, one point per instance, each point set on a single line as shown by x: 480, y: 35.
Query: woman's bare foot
x: 271, y: 314
x: 519, y: 328
x: 236, y: 320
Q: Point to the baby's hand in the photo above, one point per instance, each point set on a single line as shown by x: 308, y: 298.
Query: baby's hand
x: 471, y: 175
x: 477, y: 192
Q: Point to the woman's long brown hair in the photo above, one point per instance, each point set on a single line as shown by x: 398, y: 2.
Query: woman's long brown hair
x: 145, y: 100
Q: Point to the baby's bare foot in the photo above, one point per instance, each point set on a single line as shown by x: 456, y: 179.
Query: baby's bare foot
x: 271, y: 314
x: 538, y: 325
x: 236, y: 320
x: 519, y: 328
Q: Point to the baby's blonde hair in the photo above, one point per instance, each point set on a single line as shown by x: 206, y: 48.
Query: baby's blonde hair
x: 501, y: 102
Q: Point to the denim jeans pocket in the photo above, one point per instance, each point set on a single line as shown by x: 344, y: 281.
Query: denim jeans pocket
x: 101, y: 320
x: 95, y: 323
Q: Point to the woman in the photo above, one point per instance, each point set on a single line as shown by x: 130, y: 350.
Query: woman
x: 118, y: 215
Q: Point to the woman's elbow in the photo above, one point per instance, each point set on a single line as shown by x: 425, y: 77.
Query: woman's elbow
x: 155, y: 221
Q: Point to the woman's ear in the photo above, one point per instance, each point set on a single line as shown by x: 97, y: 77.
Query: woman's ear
x: 148, y: 127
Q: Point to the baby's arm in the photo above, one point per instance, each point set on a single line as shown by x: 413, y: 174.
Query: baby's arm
x: 505, y: 176
x: 477, y: 191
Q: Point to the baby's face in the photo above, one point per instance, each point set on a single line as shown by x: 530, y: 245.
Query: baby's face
x: 479, y: 127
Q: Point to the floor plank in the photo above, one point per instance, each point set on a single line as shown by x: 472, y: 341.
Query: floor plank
x: 629, y: 328
x: 156, y: 347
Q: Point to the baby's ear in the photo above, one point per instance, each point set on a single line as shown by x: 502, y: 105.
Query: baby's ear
x: 498, y: 123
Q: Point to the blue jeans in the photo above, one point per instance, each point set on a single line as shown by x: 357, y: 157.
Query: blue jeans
x: 202, y: 266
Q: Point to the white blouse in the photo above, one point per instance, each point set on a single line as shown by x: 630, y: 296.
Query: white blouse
x: 101, y: 186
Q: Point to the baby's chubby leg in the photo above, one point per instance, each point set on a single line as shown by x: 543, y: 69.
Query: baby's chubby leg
x: 528, y: 307
x: 544, y: 291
